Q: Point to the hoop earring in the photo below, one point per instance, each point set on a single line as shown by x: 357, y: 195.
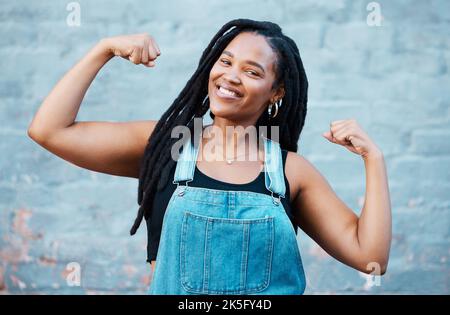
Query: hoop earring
x: 205, y: 100
x: 280, y: 102
x: 269, y: 110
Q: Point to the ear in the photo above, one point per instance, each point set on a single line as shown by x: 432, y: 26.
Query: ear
x: 279, y: 94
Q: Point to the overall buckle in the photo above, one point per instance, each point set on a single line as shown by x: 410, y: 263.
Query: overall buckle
x: 277, y: 200
x: 181, y: 193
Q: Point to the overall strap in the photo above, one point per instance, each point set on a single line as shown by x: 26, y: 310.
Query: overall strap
x: 273, y: 168
x: 186, y: 163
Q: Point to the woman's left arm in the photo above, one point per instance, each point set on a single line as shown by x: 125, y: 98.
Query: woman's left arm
x: 356, y: 241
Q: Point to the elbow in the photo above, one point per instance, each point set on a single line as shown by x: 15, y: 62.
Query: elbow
x: 384, y: 265
x: 373, y: 260
x: 380, y: 270
x: 32, y: 133
x: 36, y: 136
x: 374, y: 266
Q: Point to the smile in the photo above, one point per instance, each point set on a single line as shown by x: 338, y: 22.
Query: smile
x: 226, y: 94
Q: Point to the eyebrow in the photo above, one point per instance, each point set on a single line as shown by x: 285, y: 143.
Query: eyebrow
x: 250, y: 62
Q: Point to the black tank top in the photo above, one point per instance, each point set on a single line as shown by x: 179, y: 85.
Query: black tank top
x: 154, y: 222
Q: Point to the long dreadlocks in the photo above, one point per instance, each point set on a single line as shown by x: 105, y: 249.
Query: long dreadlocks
x: 157, y: 163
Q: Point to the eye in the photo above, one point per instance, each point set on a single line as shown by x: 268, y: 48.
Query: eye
x: 253, y: 72
x: 225, y: 61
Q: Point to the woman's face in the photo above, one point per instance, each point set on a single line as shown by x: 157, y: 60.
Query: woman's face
x: 240, y: 82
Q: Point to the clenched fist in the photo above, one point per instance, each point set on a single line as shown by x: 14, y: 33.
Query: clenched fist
x: 138, y: 48
x: 350, y: 135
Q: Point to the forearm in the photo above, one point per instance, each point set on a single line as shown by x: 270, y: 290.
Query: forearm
x: 374, y: 224
x: 61, y: 106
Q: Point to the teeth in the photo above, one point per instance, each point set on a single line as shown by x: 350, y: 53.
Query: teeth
x: 228, y: 92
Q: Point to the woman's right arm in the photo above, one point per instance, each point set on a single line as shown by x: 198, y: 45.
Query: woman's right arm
x: 109, y: 147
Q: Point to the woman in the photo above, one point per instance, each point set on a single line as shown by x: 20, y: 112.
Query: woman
x: 214, y: 229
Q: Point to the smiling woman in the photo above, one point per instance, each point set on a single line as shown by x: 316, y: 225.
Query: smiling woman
x: 213, y: 228
x: 244, y: 75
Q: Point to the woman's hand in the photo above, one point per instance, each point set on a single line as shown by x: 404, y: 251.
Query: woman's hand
x: 350, y: 135
x: 138, y: 48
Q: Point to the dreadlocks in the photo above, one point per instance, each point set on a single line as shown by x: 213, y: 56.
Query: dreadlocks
x: 192, y: 102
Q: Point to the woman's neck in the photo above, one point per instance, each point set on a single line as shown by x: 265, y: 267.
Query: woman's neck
x: 228, y: 140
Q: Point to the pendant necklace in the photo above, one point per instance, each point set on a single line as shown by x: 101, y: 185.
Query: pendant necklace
x: 229, y: 161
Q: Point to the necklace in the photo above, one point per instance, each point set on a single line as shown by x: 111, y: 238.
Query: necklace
x: 229, y: 161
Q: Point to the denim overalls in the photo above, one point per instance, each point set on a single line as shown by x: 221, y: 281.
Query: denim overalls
x: 228, y: 242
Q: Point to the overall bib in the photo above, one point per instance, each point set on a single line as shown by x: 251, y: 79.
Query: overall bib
x: 228, y: 242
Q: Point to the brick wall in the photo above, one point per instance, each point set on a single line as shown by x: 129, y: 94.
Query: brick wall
x: 394, y: 79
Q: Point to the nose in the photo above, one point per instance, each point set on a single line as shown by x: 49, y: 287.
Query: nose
x: 232, y: 77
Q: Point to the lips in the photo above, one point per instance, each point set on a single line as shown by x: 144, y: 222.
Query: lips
x: 228, y: 92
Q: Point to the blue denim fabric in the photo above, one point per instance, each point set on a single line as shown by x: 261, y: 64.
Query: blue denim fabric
x: 228, y: 242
